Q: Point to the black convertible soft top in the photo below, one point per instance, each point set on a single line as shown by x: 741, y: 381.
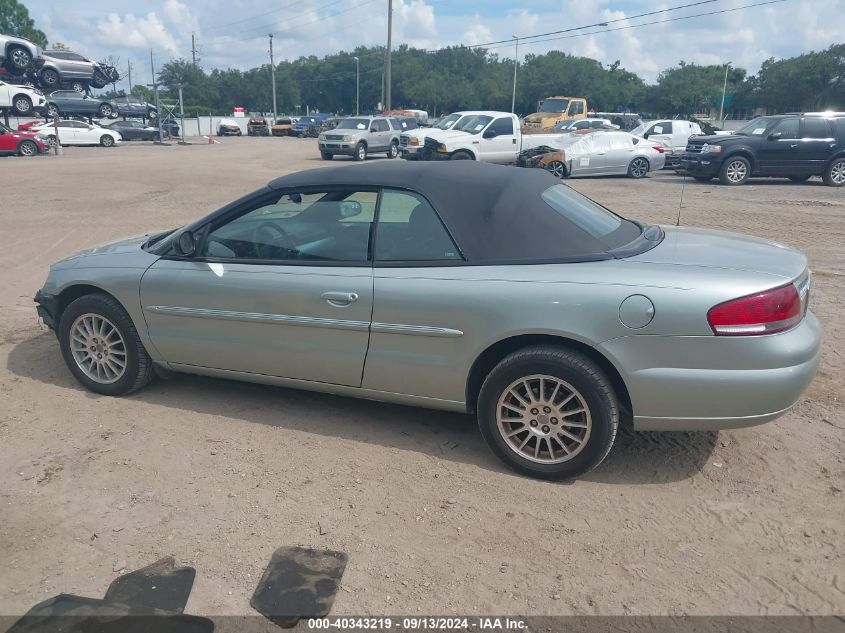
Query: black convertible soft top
x: 496, y: 214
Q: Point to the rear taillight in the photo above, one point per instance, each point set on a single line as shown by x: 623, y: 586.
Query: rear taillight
x: 659, y: 149
x: 766, y: 312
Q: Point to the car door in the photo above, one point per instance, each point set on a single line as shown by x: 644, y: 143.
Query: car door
x: 74, y: 102
x: 280, y: 286
x: 413, y: 340
x: 498, y: 143
x: 619, y: 153
x: 778, y: 148
x: 816, y: 146
x: 589, y: 155
x: 661, y: 132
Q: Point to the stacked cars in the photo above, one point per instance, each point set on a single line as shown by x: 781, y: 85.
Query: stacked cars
x: 22, y: 100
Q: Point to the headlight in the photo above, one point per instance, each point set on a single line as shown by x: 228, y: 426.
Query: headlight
x: 414, y: 141
x: 322, y: 137
x: 710, y: 149
x: 441, y: 148
x: 348, y: 138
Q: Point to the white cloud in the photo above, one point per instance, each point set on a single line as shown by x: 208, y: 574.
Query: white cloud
x: 477, y: 33
x: 136, y: 32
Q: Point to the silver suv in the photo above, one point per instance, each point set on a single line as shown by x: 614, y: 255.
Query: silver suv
x: 19, y: 55
x: 66, y: 68
x: 359, y: 136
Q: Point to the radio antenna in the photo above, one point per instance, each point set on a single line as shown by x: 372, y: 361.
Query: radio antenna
x: 681, y: 201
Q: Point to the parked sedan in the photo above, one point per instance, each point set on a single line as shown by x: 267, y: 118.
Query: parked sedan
x: 474, y: 288
x: 282, y: 127
x: 20, y: 143
x: 228, y: 127
x: 134, y: 130
x: 597, y: 153
x: 66, y: 102
x: 133, y: 106
x: 78, y: 133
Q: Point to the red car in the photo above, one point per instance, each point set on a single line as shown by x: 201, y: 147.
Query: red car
x: 25, y: 127
x: 20, y: 143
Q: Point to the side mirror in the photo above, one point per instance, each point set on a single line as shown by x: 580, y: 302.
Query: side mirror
x: 350, y: 208
x: 775, y: 136
x: 488, y: 133
x: 185, y: 244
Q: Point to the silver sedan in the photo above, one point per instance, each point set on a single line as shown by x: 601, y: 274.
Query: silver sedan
x: 467, y: 287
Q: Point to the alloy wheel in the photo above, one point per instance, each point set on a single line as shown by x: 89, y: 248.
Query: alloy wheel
x: 23, y: 105
x: 837, y: 172
x: 639, y: 167
x: 98, y: 348
x: 28, y: 148
x: 543, y: 419
x: 21, y: 58
x: 737, y: 171
x: 556, y: 169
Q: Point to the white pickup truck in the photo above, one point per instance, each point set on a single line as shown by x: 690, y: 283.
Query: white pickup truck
x: 491, y: 137
x: 412, y: 141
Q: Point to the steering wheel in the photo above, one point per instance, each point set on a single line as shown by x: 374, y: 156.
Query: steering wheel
x: 268, y: 233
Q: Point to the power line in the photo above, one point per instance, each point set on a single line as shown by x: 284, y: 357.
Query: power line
x: 219, y: 27
x: 290, y: 27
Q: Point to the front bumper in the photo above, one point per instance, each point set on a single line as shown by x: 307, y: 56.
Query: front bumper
x: 698, y: 164
x: 47, y: 308
x: 704, y: 383
x: 337, y: 147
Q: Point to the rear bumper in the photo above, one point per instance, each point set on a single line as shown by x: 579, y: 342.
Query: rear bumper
x: 47, y: 308
x: 702, y: 383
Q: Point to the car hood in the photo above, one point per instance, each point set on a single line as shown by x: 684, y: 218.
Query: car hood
x: 444, y: 136
x: 716, y: 138
x: 706, y: 248
x: 123, y: 246
x: 538, y: 117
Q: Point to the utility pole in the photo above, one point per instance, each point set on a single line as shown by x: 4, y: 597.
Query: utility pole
x: 387, y: 104
x: 724, y: 88
x: 182, y: 116
x: 129, y: 62
x: 515, y: 66
x: 357, y: 85
x: 158, y: 103
x: 193, y: 48
x: 273, y: 77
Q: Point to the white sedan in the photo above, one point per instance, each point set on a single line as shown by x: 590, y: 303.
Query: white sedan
x: 78, y: 133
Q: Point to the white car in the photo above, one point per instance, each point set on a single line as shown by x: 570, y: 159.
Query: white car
x: 23, y: 100
x: 577, y: 125
x: 78, y: 133
x: 671, y: 134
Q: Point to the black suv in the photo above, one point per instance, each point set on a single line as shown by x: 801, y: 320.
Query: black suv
x: 794, y: 146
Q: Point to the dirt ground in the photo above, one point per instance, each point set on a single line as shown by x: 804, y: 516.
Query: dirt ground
x: 220, y: 474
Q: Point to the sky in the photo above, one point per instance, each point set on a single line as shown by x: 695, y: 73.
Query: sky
x: 233, y: 33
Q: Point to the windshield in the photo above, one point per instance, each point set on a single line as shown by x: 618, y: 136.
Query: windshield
x: 353, y: 124
x: 564, y: 125
x: 758, y: 126
x: 638, y: 131
x: 474, y: 124
x: 554, y: 105
x: 447, y: 121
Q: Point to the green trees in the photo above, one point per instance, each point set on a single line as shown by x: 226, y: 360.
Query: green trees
x: 15, y: 20
x: 812, y: 81
x: 689, y: 88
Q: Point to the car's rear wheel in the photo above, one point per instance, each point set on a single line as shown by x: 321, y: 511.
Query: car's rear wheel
x: 27, y: 148
x: 49, y: 77
x: 834, y: 175
x: 106, y: 110
x: 557, y: 169
x: 106, y: 140
x: 326, y: 155
x: 22, y: 105
x: 393, y: 152
x: 18, y: 59
x: 638, y: 168
x: 101, y: 346
x: 548, y: 412
x: 799, y: 178
x: 77, y: 86
x: 735, y: 171
x: 360, y: 152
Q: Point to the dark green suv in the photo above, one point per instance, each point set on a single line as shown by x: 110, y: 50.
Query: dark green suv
x: 794, y: 146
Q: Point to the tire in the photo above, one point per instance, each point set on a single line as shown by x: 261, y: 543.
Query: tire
x: 834, y: 175
x: 51, y: 141
x: 109, y: 314
x: 106, y: 140
x: 22, y: 105
x: 556, y: 168
x: 562, y: 371
x: 360, y: 152
x: 735, y: 171
x: 50, y: 78
x: 77, y: 86
x: 703, y: 178
x: 326, y: 155
x: 18, y: 59
x: 799, y: 178
x: 28, y: 148
x: 638, y: 168
x: 106, y: 110
x: 461, y: 156
x: 393, y: 152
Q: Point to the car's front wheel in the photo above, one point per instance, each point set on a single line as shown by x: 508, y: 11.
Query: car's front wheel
x: 77, y: 86
x: 101, y: 346
x: 326, y: 155
x: 360, y: 152
x: 735, y: 171
x: 557, y: 169
x: 834, y: 175
x: 18, y: 59
x: 548, y: 412
x: 106, y: 140
x: 106, y: 110
x: 27, y: 148
x: 22, y: 105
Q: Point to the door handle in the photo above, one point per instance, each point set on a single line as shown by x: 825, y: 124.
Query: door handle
x: 340, y: 299
x: 793, y: 146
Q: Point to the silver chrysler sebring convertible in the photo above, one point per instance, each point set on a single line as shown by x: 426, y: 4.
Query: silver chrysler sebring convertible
x: 459, y: 286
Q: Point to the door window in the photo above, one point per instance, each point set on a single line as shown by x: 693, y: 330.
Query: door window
x: 619, y: 141
x: 410, y: 230
x: 662, y: 128
x: 576, y: 107
x: 787, y: 128
x: 816, y: 128
x: 329, y: 226
x: 502, y: 127
x: 380, y: 125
